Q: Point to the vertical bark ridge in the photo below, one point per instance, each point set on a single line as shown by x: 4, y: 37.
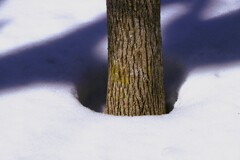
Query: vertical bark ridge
x: 135, y: 81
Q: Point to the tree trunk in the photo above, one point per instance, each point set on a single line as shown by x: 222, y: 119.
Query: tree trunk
x: 135, y: 74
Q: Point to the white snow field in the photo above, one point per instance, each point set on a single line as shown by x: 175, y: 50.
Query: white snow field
x: 52, y: 51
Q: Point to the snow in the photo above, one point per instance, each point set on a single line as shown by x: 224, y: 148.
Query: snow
x: 52, y: 52
x: 44, y: 19
x: 219, y: 8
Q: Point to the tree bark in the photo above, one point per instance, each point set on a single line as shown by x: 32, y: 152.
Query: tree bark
x: 135, y: 74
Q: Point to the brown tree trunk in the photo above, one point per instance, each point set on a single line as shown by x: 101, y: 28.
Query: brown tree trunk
x: 135, y: 80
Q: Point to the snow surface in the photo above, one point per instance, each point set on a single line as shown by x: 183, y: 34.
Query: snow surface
x: 52, y: 52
